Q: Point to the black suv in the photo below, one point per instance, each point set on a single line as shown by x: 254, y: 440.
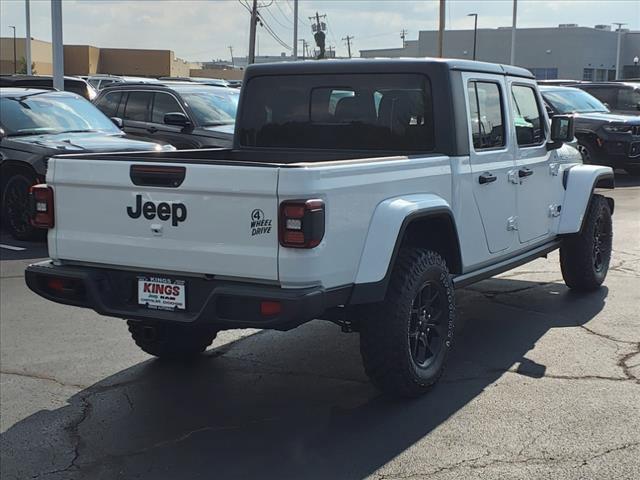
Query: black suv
x: 603, y: 138
x: 620, y: 97
x: 187, y: 115
x: 36, y: 124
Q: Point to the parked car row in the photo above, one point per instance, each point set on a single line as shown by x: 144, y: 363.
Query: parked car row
x: 37, y: 123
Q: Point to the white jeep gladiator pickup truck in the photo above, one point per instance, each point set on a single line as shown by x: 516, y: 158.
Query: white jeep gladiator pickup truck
x: 362, y: 192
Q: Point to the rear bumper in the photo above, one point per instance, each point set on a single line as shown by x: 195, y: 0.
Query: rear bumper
x: 222, y: 304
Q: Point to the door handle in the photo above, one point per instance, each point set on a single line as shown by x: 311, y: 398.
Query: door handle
x: 152, y: 129
x: 487, y: 177
x: 525, y: 172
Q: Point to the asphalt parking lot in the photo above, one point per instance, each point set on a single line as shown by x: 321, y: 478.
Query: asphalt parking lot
x: 542, y: 383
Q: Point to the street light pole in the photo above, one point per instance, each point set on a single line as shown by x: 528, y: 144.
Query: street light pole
x: 27, y: 47
x: 295, y: 30
x: 513, y: 32
x: 475, y: 32
x: 618, y: 76
x: 58, y: 49
x: 15, y: 58
x: 441, y: 28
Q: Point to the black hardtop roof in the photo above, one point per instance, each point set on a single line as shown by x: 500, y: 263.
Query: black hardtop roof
x: 383, y: 65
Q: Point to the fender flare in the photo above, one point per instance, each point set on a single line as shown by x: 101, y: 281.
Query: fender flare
x: 579, y: 182
x: 384, y: 237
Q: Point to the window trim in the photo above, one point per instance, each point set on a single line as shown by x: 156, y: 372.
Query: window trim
x: 542, y: 112
x: 500, y: 148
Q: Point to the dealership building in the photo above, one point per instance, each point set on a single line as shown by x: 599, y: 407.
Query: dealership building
x: 565, y: 52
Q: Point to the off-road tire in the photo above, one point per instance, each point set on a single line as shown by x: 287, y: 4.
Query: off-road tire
x: 385, y: 341
x: 15, y: 214
x: 171, y: 342
x: 585, y: 256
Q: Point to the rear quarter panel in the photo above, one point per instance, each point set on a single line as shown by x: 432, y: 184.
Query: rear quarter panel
x: 352, y: 190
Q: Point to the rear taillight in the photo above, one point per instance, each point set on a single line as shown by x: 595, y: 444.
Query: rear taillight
x: 301, y: 223
x: 41, y: 206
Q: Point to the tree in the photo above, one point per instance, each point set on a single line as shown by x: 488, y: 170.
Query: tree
x: 22, y: 66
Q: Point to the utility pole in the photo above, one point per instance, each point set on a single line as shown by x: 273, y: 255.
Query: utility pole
x: 513, y: 32
x: 252, y: 33
x: 403, y: 34
x: 318, y: 32
x: 475, y: 32
x: 231, y: 51
x: 58, y: 49
x: 348, y: 40
x: 27, y: 47
x: 304, y: 47
x: 15, y: 58
x: 441, y: 29
x: 618, y: 60
x: 295, y: 29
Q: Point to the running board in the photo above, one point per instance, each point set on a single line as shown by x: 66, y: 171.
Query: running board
x: 508, y: 264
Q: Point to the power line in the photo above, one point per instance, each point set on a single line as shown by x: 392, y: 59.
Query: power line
x: 273, y: 34
x: 277, y: 21
x: 283, y: 13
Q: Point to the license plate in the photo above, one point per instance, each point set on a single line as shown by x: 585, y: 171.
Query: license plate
x: 161, y: 293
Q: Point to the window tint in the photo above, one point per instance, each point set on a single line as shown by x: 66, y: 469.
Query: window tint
x: 137, y: 106
x: 629, y: 99
x: 527, y: 116
x: 109, y: 103
x: 390, y: 112
x: 487, y: 124
x: 164, y: 103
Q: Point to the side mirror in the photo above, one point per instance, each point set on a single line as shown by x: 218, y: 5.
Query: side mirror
x: 117, y: 122
x: 562, y: 130
x: 178, y: 119
x: 2, y: 134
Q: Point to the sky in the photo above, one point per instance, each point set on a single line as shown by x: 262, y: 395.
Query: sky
x: 202, y: 30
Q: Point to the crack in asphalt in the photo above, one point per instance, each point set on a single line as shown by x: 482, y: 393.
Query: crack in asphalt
x: 46, y: 378
x: 474, y: 464
x: 621, y: 361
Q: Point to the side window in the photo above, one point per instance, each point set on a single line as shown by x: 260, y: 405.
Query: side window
x: 486, y: 115
x: 137, y: 106
x: 628, y: 99
x: 108, y: 103
x: 164, y: 103
x: 605, y: 95
x: 527, y: 116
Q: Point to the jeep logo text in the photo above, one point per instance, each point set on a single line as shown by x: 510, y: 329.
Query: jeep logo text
x: 177, y: 212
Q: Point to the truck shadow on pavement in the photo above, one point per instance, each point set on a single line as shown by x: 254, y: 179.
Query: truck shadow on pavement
x: 284, y: 405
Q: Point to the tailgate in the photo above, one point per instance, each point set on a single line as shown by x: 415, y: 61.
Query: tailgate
x: 219, y: 219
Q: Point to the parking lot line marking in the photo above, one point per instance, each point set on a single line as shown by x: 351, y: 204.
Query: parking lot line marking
x: 11, y: 247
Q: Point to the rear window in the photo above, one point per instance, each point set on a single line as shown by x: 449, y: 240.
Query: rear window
x: 391, y: 112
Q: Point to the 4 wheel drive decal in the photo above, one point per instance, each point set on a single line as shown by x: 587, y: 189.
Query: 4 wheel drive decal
x: 177, y: 212
x: 259, y: 224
